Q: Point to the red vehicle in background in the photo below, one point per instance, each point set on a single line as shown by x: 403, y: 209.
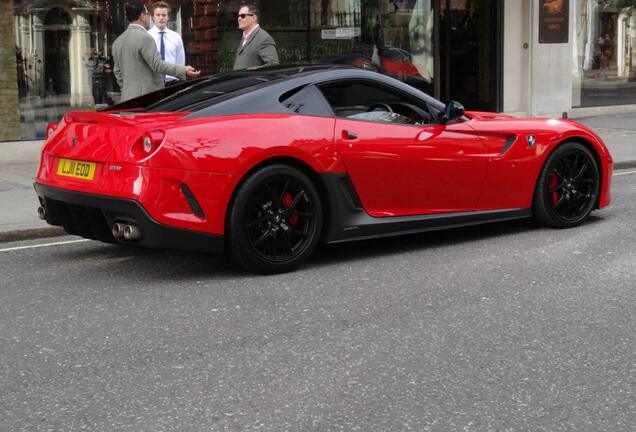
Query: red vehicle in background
x: 391, y: 61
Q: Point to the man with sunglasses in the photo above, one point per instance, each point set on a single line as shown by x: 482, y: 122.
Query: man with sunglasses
x: 138, y: 65
x: 257, y: 48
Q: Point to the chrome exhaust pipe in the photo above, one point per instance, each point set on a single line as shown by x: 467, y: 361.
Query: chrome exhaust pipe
x: 131, y: 232
x: 42, y: 213
x: 118, y: 230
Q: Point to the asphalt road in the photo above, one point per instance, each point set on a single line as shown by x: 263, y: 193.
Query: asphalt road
x: 504, y: 327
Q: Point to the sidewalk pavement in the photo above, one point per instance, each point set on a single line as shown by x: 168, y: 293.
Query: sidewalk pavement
x: 19, y: 162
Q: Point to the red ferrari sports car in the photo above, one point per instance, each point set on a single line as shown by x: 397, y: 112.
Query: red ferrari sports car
x: 265, y: 164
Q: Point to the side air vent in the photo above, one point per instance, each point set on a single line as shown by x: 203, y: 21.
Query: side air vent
x: 192, y: 201
x: 349, y: 192
x: 509, y: 141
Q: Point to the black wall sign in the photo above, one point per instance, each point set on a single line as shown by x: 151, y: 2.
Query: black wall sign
x: 554, y: 19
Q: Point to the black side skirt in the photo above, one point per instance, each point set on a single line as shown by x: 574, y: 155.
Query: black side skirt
x: 349, y: 221
x: 92, y: 216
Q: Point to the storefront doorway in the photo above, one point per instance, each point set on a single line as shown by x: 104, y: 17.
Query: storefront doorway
x: 470, y: 53
x: 56, y: 52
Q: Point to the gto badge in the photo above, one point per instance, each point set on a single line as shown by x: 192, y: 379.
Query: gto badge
x: 532, y: 141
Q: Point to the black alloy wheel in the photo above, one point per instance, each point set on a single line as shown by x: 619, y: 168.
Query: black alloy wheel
x: 275, y: 220
x: 568, y: 187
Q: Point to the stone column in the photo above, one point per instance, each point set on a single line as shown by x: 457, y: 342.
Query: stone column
x: 9, y: 104
x: 78, y: 52
x: 37, y: 54
x: 26, y: 42
x: 631, y: 57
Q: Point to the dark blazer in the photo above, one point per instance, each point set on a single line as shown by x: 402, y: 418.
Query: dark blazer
x: 259, y: 50
x: 138, y: 65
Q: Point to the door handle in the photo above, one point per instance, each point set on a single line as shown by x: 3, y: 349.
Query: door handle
x: 348, y: 135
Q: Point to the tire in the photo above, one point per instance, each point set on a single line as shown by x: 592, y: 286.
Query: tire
x: 568, y: 187
x: 275, y: 220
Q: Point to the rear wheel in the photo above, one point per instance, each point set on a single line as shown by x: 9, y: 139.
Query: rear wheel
x: 568, y: 187
x: 275, y: 220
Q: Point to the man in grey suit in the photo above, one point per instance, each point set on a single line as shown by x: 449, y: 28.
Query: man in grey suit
x: 138, y: 66
x: 257, y: 48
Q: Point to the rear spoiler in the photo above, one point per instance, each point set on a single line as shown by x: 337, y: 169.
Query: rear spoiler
x: 93, y: 117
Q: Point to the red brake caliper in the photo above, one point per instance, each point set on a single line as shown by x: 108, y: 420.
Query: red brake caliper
x: 287, y: 201
x: 553, y: 183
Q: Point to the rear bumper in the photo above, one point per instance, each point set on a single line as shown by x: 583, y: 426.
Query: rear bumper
x: 92, y: 216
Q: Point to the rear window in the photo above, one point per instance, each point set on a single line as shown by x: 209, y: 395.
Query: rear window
x: 204, y: 94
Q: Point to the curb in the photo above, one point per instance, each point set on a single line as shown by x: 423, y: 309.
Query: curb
x: 31, y: 234
x: 624, y: 165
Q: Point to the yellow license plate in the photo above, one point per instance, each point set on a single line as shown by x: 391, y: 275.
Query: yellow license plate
x: 76, y: 169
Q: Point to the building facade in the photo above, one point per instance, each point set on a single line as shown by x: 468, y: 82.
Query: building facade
x: 9, y: 102
x: 525, y: 57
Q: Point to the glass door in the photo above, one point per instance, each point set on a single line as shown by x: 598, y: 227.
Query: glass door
x: 470, y: 53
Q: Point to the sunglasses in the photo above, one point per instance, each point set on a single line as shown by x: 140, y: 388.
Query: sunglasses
x: 242, y: 16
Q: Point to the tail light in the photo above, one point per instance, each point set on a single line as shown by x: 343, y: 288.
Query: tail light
x: 50, y: 129
x: 147, y: 144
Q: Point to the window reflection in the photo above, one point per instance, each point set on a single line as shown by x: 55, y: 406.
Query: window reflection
x: 64, y: 47
x: 395, y: 37
x: 63, y: 58
x: 604, y: 57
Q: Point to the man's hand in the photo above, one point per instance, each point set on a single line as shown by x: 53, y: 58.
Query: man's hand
x: 192, y: 72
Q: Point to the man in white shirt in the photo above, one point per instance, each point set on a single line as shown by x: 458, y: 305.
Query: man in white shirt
x: 169, y: 43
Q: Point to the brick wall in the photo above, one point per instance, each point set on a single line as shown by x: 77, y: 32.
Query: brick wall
x: 9, y: 118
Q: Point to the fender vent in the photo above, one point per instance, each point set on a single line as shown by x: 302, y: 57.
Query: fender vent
x: 349, y: 192
x: 509, y: 141
x: 192, y: 201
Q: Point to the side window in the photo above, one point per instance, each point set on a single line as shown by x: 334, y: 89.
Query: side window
x: 306, y: 100
x: 363, y: 101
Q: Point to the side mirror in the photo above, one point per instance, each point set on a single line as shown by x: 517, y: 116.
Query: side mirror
x: 452, y: 111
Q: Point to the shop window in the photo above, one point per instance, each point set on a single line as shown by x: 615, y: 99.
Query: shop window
x: 604, y: 53
x: 56, y: 53
x: 390, y: 37
x: 64, y: 53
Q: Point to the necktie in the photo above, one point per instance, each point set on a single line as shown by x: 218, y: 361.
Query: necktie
x: 162, y: 47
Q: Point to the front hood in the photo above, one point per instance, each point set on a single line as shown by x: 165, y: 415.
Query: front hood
x: 103, y: 136
x: 498, y: 128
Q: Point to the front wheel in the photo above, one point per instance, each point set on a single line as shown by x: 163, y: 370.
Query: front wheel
x: 275, y: 220
x: 568, y: 187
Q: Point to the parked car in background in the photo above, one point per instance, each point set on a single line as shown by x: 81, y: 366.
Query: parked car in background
x: 266, y: 164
